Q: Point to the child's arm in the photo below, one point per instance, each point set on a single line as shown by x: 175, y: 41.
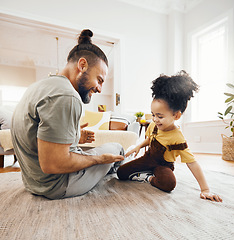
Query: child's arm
x: 145, y: 143
x: 196, y: 170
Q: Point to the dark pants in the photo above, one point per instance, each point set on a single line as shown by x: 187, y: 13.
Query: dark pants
x: 152, y: 161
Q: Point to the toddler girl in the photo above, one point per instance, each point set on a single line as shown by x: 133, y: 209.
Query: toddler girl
x: 165, y: 140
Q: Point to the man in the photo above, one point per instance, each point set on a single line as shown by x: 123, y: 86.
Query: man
x: 46, y: 129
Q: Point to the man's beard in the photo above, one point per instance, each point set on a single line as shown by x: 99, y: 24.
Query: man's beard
x: 82, y: 89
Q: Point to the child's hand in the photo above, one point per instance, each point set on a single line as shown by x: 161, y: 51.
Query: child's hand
x: 136, y: 150
x: 213, y: 197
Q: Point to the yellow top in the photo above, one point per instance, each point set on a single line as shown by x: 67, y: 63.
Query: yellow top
x: 170, y: 138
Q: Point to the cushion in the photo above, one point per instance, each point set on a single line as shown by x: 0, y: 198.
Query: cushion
x: 125, y: 138
x: 5, y: 139
x: 97, y: 120
x: 125, y: 118
x: 5, y: 117
x: 118, y: 125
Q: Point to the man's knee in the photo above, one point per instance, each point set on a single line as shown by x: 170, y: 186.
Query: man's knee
x: 119, y: 148
x: 114, y: 148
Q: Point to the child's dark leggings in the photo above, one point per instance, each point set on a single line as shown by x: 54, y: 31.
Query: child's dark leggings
x: 154, y: 162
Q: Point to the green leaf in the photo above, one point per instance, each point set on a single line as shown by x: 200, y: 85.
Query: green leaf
x: 220, y: 117
x: 228, y: 110
x: 139, y: 114
x: 229, y: 99
x: 230, y: 85
x: 229, y: 94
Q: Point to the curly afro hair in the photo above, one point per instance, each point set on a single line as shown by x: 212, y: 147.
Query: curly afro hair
x: 176, y: 90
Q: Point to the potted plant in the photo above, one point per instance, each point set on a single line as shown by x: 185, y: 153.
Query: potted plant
x: 139, y: 115
x: 228, y: 142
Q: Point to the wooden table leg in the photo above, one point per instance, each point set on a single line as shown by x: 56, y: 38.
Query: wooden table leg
x: 144, y: 124
x: 15, y: 159
x: 140, y: 129
x: 1, y: 161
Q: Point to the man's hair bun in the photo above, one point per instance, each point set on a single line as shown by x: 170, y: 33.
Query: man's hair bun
x: 86, y: 49
x: 85, y: 37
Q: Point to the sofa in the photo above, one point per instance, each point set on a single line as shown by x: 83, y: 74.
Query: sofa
x: 6, y: 147
x: 111, y: 127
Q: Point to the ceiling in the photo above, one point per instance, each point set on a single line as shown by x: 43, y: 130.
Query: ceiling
x: 164, y: 6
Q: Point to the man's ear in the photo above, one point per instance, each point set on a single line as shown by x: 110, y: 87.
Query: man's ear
x: 177, y: 115
x: 82, y: 65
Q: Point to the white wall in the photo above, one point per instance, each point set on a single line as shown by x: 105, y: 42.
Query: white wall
x: 206, y: 136
x: 175, y: 43
x: 151, y: 44
x: 143, y: 34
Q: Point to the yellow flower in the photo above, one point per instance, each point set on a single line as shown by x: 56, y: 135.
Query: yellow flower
x: 143, y: 120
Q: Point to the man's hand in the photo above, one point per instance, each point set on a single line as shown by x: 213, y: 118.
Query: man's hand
x: 85, y: 135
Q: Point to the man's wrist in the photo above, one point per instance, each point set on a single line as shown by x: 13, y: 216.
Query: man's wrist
x: 96, y: 159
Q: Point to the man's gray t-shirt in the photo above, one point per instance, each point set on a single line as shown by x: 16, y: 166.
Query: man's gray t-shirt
x: 49, y: 110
